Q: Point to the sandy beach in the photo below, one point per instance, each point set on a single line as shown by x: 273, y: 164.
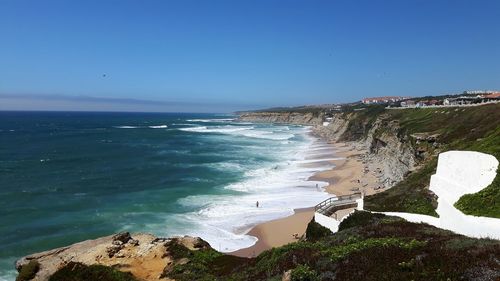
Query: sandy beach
x: 348, y: 176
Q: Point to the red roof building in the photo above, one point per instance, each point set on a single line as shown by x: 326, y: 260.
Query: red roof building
x: 492, y: 96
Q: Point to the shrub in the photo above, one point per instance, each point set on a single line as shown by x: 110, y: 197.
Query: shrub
x: 177, y: 250
x: 360, y: 218
x: 74, y: 271
x: 28, y: 271
x: 315, y: 231
x: 304, y: 273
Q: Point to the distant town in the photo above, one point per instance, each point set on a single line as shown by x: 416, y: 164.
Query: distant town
x: 464, y: 99
x: 467, y: 98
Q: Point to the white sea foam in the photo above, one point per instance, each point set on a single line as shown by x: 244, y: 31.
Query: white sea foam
x: 268, y: 135
x: 225, y: 166
x: 198, y: 129
x: 245, y: 131
x: 126, y: 127
x: 211, y: 120
x: 318, y: 160
x: 223, y: 220
x: 158, y: 127
x: 183, y: 124
x: 217, y: 129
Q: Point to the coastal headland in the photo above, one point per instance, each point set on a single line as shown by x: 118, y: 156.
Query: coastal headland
x: 389, y: 155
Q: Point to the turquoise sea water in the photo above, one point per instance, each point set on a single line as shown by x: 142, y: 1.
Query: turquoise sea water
x: 66, y: 177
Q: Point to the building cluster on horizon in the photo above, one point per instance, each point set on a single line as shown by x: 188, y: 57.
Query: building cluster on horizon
x: 480, y: 92
x: 382, y: 100
x: 466, y: 98
x: 483, y: 98
x: 479, y: 99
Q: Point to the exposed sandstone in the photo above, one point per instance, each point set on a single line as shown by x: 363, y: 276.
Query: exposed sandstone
x: 143, y: 255
x: 282, y: 117
x: 389, y: 156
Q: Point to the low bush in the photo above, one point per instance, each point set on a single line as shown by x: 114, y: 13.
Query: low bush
x: 315, y: 231
x: 74, y: 271
x: 304, y: 273
x: 28, y: 271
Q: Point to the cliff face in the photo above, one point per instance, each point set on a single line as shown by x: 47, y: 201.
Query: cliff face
x: 399, y: 140
x: 282, y: 117
x: 394, y: 152
x: 379, y: 137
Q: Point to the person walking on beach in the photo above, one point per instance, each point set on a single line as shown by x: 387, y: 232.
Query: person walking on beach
x: 257, y: 204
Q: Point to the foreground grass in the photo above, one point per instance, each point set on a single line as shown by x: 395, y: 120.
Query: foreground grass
x: 367, y: 247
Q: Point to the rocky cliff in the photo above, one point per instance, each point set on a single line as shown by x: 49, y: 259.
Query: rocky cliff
x: 401, y: 141
x: 145, y: 256
x: 394, y: 152
x: 379, y: 136
x: 283, y: 117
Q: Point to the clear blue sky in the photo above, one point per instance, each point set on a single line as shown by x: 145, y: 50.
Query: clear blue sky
x: 212, y: 55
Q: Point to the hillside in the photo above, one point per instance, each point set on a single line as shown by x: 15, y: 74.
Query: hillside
x: 407, y: 141
x: 367, y: 247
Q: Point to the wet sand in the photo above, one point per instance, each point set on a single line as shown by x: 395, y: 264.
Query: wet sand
x: 278, y: 232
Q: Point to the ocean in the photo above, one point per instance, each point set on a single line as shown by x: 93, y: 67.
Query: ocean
x: 71, y: 176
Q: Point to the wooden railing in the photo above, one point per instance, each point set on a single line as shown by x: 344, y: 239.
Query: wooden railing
x: 332, y: 204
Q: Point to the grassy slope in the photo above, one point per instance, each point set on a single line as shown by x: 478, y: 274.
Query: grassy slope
x: 367, y: 247
x: 471, y: 128
x: 372, y: 246
x: 487, y: 201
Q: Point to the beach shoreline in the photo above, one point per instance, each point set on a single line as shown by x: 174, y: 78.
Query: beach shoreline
x: 348, y: 175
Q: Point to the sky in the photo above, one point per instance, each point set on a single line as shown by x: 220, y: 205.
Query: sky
x: 221, y: 56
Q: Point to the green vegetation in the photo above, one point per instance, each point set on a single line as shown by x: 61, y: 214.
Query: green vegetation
x: 410, y: 195
x: 316, y: 231
x: 203, y: 260
x: 341, y: 252
x: 304, y: 273
x: 314, y: 110
x: 361, y: 121
x: 28, y: 271
x: 455, y: 128
x: 363, y: 218
x: 79, y: 272
x: 487, y: 201
x: 466, y: 128
x: 367, y: 247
